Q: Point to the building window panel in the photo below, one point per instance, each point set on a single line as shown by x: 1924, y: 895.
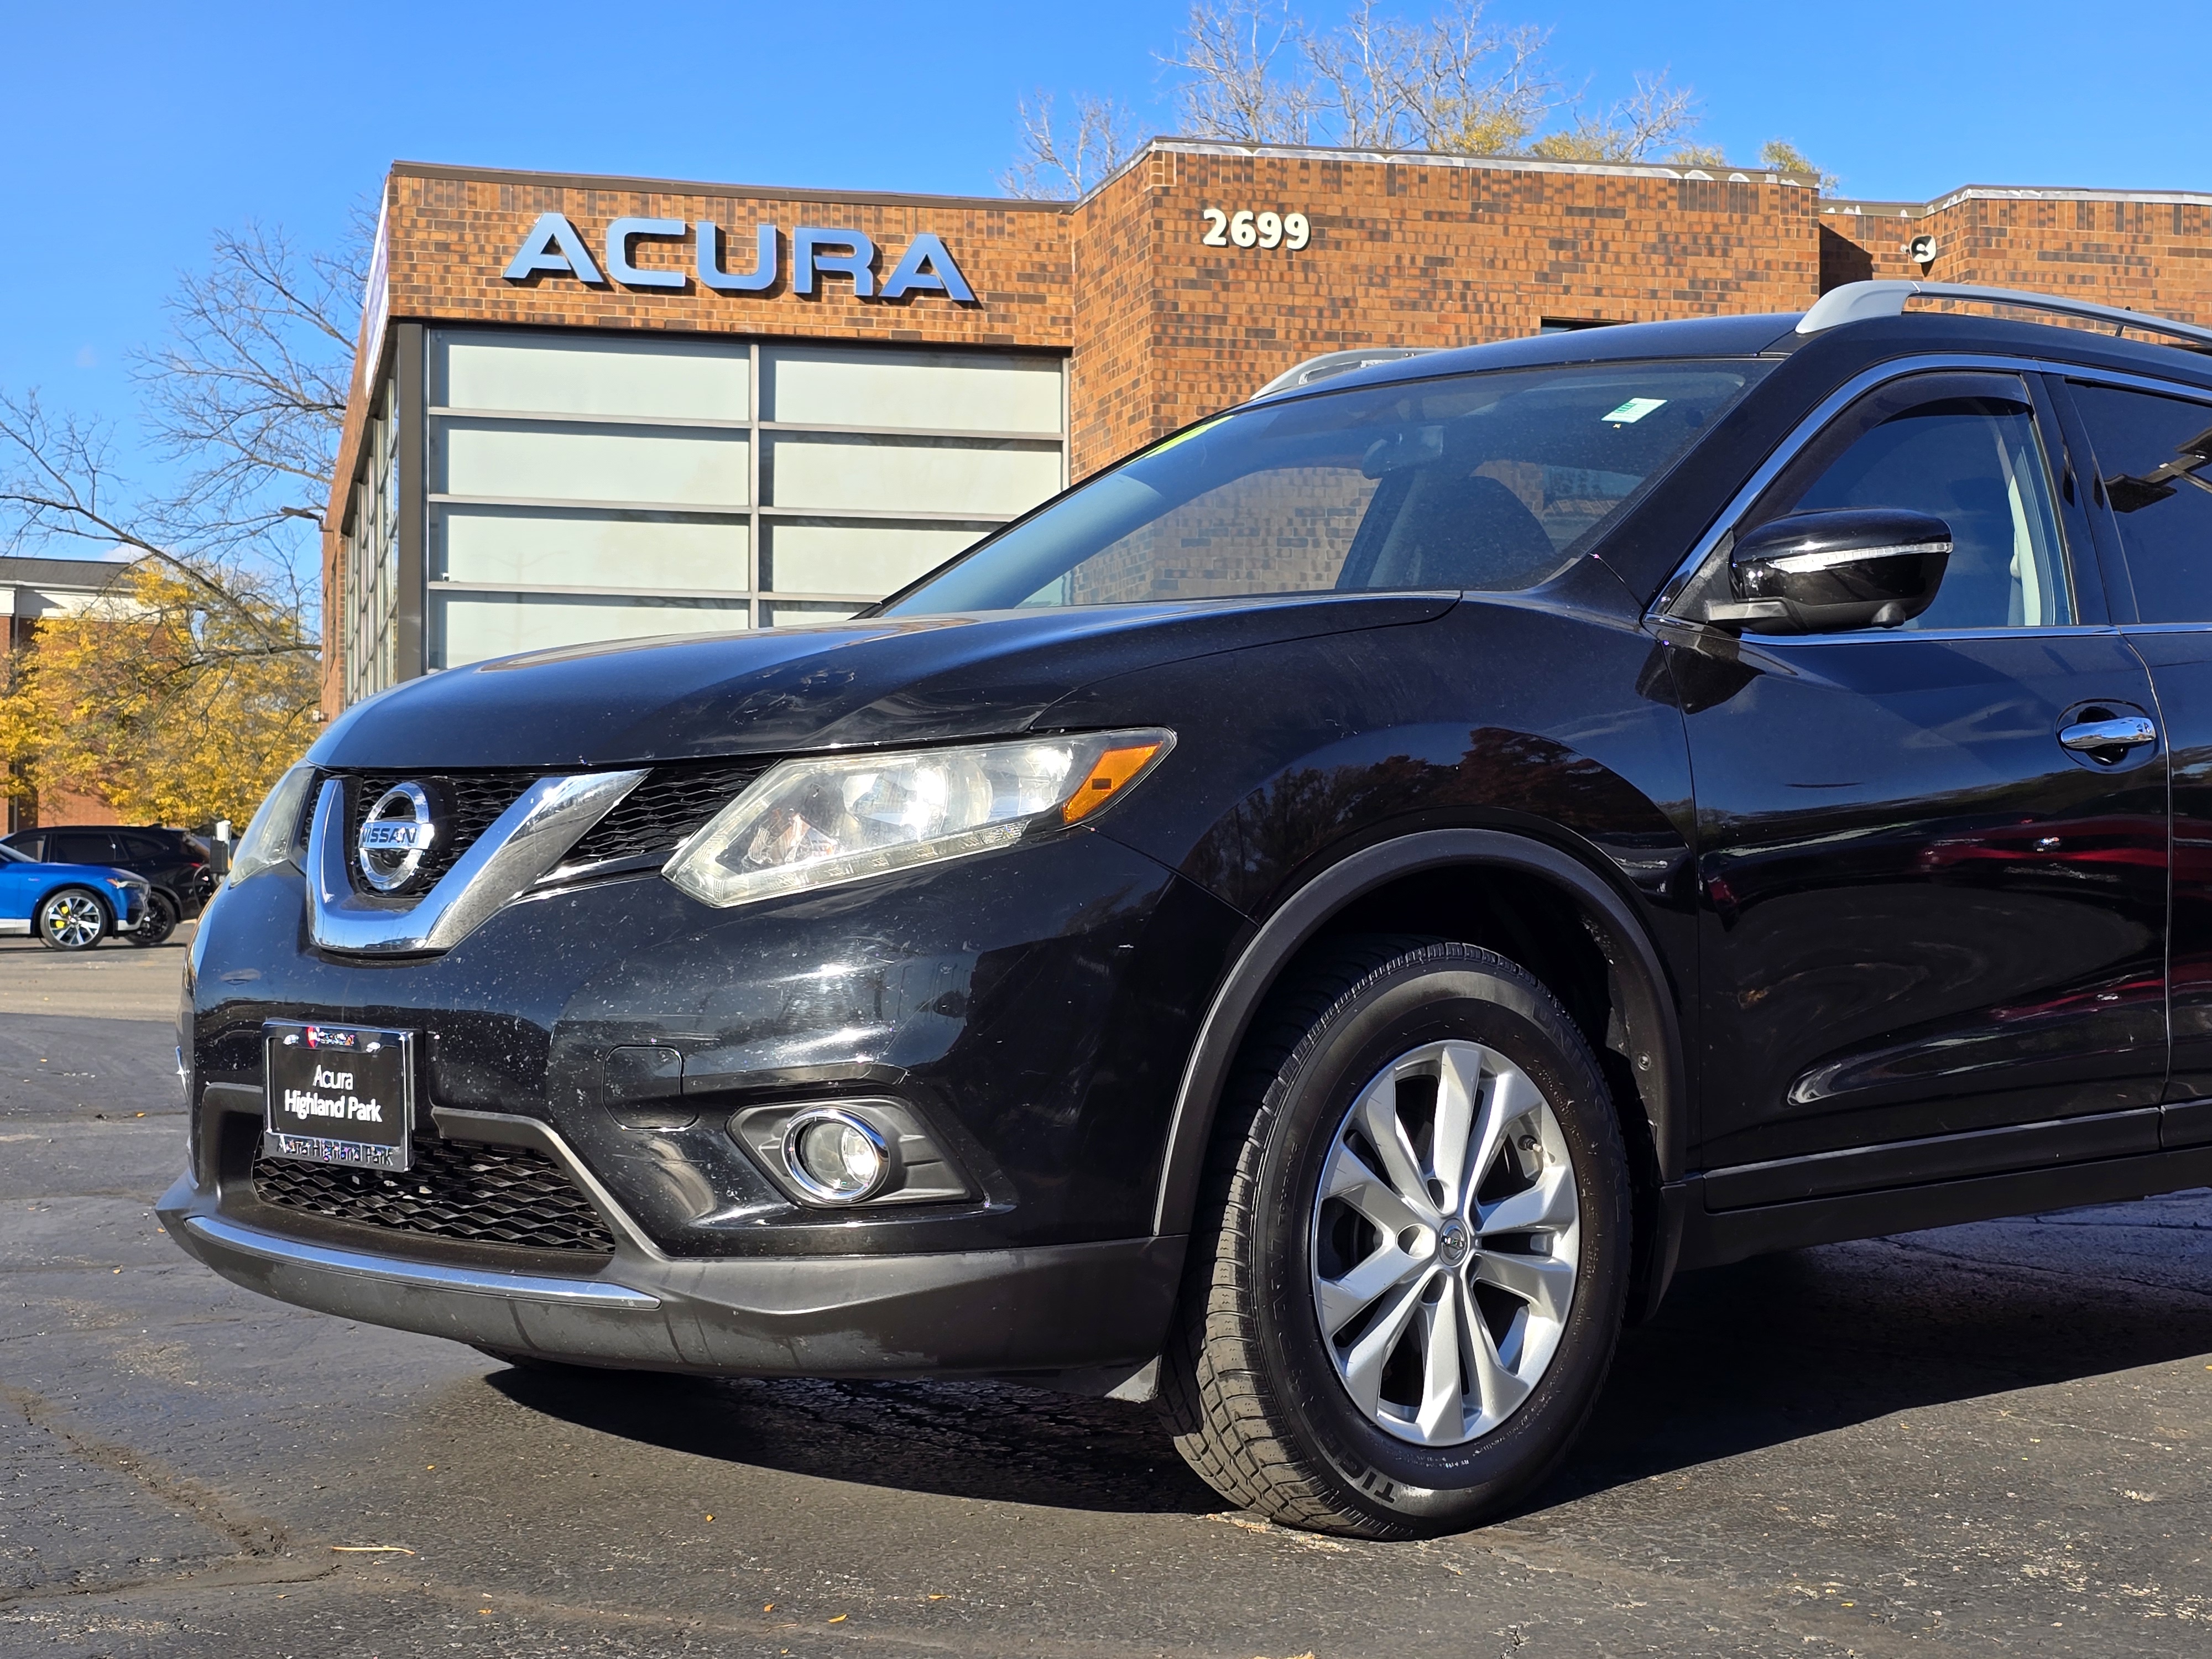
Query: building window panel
x: 470, y: 627
x: 908, y: 475
x: 824, y: 557
x: 933, y: 390
x: 544, y: 374
x: 785, y: 614
x: 536, y: 461
x: 553, y: 547
x: 589, y: 487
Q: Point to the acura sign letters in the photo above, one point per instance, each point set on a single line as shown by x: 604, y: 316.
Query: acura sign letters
x: 553, y: 249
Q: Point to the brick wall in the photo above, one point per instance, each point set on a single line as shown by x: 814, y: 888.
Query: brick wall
x: 2146, y: 253
x: 1442, y: 251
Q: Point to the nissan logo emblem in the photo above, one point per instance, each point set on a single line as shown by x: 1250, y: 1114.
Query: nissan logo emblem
x: 395, y: 835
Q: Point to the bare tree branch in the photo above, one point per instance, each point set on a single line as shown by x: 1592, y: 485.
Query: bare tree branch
x: 1053, y: 165
x: 54, y: 492
x: 1468, y: 89
x: 1654, y: 115
x: 251, y: 385
x: 1232, y: 89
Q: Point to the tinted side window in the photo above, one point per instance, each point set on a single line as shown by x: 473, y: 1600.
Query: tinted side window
x: 146, y: 848
x: 2154, y: 457
x: 79, y: 847
x: 1977, y: 463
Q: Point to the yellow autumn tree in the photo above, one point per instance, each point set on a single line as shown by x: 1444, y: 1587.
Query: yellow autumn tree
x: 177, y: 697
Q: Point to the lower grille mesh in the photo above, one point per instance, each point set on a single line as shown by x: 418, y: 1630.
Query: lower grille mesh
x: 458, y: 1189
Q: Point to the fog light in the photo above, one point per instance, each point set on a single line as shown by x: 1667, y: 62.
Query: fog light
x: 836, y: 1156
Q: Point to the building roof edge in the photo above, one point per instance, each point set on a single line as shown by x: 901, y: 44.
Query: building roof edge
x: 702, y: 187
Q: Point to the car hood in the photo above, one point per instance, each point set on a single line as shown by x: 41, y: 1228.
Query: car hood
x: 891, y: 679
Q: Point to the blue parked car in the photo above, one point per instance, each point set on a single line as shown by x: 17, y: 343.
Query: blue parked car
x: 70, y: 907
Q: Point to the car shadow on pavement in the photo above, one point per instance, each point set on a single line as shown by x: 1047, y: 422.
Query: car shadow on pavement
x: 979, y: 1440
x: 1788, y: 1346
x: 1742, y: 1357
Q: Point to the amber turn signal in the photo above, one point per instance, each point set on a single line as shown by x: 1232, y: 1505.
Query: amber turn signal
x: 1115, y: 768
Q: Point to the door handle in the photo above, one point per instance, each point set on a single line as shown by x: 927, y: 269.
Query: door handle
x: 2127, y: 732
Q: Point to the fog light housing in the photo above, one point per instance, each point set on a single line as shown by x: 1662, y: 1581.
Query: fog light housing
x: 837, y: 1157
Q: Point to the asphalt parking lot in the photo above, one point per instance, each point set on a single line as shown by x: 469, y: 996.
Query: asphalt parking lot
x: 1993, y: 1438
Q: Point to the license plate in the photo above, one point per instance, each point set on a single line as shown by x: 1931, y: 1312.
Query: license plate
x: 339, y: 1094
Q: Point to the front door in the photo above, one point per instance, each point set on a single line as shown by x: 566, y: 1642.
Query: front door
x: 1924, y: 912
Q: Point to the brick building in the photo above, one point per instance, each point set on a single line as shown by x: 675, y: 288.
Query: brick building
x: 589, y: 408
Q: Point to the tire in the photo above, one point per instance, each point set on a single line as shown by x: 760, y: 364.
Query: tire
x: 160, y: 921
x: 1262, y: 1400
x: 73, y: 919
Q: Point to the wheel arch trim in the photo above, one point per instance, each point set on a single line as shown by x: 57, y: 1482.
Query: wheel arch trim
x: 1646, y: 1009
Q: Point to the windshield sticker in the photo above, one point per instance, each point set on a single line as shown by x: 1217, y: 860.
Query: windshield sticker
x: 1634, y: 410
x: 1185, y: 437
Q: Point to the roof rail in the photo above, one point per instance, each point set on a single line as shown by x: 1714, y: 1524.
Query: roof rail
x: 1856, y: 302
x: 1338, y: 362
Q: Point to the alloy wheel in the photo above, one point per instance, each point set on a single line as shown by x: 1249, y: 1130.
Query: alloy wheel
x: 1445, y: 1244
x: 73, y: 921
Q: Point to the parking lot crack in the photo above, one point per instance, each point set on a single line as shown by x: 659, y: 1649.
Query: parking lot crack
x: 250, y: 1535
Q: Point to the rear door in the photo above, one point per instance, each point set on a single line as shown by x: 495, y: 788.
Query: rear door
x: 2153, y: 499
x: 1924, y: 915
x: 80, y: 847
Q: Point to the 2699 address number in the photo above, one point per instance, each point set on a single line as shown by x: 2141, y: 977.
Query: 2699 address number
x: 1246, y: 229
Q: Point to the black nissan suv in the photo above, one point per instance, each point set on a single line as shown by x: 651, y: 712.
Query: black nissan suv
x: 1316, y: 926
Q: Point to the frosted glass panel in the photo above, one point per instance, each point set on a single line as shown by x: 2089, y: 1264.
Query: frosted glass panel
x: 544, y: 373
x: 474, y: 626
x: 797, y: 616
x: 536, y: 461
x: 935, y: 391
x: 910, y: 475
x: 874, y: 559
x: 536, y: 547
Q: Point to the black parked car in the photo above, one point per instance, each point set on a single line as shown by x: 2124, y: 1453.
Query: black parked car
x: 177, y: 865
x: 1317, y: 925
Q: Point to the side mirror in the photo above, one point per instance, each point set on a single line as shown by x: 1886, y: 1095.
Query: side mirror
x: 1826, y: 573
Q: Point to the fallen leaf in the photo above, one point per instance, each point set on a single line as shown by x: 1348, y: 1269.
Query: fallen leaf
x: 841, y: 1618
x: 372, y: 1549
x: 770, y: 1607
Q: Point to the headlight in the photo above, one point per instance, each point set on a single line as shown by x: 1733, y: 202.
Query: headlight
x: 811, y: 824
x: 268, y: 840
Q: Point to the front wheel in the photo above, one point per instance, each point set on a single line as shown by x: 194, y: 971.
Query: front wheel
x: 73, y: 919
x: 1411, y: 1259
x: 161, y: 920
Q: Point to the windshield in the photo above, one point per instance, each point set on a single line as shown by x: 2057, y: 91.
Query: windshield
x: 1487, y: 481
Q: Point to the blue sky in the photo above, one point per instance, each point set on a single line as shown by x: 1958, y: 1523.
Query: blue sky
x: 128, y: 132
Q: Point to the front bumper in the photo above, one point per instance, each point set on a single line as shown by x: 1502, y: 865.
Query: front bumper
x: 1033, y: 1009
x: 1083, y: 1315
